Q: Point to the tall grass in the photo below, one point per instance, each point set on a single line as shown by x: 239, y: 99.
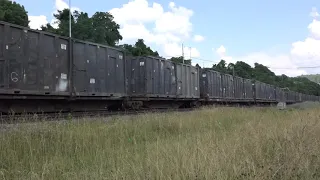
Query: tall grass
x: 221, y: 143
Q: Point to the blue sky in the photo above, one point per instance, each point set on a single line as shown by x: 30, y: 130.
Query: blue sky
x: 247, y: 30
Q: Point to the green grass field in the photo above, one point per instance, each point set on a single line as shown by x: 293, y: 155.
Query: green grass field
x: 217, y: 143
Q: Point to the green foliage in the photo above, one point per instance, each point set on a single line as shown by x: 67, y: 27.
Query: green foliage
x: 180, y: 60
x: 313, y: 77
x: 139, y: 49
x: 13, y: 12
x: 262, y: 73
x: 100, y: 28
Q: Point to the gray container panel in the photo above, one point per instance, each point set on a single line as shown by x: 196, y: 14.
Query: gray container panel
x: 238, y: 88
x: 170, y: 78
x: 32, y: 62
x: 116, y: 67
x: 260, y: 91
x: 2, y: 59
x: 270, y: 92
x: 211, y: 86
x: 188, y: 80
x: 291, y: 96
x: 280, y: 95
x: 56, y: 63
x: 99, y: 70
x: 248, y: 91
x: 227, y: 84
x: 137, y: 78
x: 152, y: 77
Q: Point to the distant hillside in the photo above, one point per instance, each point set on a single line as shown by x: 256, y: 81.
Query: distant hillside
x: 313, y: 77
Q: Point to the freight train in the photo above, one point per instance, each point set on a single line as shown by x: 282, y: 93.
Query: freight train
x: 44, y: 72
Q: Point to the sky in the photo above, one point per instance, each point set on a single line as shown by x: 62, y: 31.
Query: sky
x: 283, y: 35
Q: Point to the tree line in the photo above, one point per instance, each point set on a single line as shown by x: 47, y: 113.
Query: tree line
x: 101, y: 28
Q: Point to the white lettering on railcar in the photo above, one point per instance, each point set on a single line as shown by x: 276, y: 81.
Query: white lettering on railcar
x: 14, y: 77
x: 63, y: 76
x: 63, y: 46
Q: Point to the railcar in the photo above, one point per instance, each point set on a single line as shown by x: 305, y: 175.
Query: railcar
x: 219, y: 87
x: 43, y: 72
x: 154, y: 82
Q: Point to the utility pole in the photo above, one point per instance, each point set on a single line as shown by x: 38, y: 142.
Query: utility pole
x: 182, y: 54
x: 69, y: 18
x: 190, y: 53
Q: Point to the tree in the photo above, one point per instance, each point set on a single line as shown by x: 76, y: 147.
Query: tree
x: 220, y: 67
x: 100, y: 28
x: 13, y: 12
x: 180, y: 60
x: 263, y: 74
x: 105, y: 30
x: 139, y: 49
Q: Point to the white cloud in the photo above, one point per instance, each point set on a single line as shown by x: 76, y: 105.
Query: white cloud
x: 314, y: 13
x: 175, y: 50
x: 166, y: 29
x: 137, y: 11
x: 221, y: 50
x: 176, y: 21
x: 62, y: 4
x: 198, y: 38
x: 304, y: 53
x: 314, y: 28
x: 37, y: 21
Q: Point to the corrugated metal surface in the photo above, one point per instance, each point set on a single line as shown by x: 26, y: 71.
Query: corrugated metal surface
x: 151, y: 77
x: 98, y: 70
x: 188, y: 81
x: 157, y: 77
x: 238, y: 87
x: 32, y: 62
x: 270, y: 92
x: 248, y: 90
x: 290, y: 96
x: 280, y: 95
x: 260, y: 90
x: 299, y: 97
x: 211, y: 86
x: 227, y: 86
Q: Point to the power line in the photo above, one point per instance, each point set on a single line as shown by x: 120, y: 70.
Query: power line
x: 215, y: 62
x: 301, y: 67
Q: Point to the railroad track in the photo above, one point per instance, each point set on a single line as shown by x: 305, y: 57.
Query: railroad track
x: 41, y: 117
x: 37, y: 117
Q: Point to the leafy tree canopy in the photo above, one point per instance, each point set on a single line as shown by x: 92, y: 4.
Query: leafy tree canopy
x: 13, y: 12
x: 263, y: 74
x: 100, y: 28
x: 180, y: 60
x: 139, y: 49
